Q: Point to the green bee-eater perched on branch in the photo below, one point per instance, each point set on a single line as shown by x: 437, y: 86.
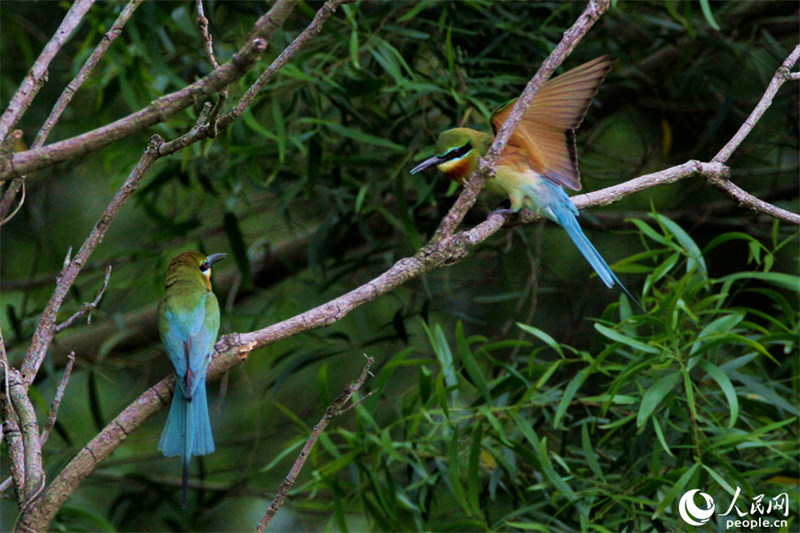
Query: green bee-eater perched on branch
x: 188, y: 319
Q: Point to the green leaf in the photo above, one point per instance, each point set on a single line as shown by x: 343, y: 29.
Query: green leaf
x: 660, y: 436
x: 693, y: 253
x: 540, y: 447
x: 678, y: 488
x: 542, y: 336
x: 704, y: 5
x: 654, y: 395
x: 356, y: 135
x: 727, y: 389
x: 456, y: 483
x: 470, y: 364
x: 627, y: 341
x: 589, y: 454
x: 785, y: 281
x: 569, y: 393
x: 238, y: 246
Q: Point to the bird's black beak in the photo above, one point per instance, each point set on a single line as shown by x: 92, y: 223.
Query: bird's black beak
x: 213, y: 258
x: 431, y: 161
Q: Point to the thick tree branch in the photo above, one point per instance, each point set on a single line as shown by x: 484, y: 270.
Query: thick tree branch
x: 37, y: 76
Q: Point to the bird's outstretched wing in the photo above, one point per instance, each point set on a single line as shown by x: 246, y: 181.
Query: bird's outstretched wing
x: 546, y: 133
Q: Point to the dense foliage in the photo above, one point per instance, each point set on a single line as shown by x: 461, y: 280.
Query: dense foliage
x: 511, y: 390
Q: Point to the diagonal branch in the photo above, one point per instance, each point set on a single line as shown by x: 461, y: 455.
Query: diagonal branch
x: 46, y: 328
x: 334, y: 410
x: 37, y: 76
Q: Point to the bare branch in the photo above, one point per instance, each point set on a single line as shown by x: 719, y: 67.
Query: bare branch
x: 202, y: 21
x: 46, y: 328
x: 37, y: 517
x: 158, y: 111
x: 88, y: 306
x: 309, y: 33
x: 62, y: 102
x: 748, y: 200
x: 778, y: 79
x: 248, y: 97
x: 37, y: 76
x: 334, y: 410
x: 34, y: 473
x: 51, y: 418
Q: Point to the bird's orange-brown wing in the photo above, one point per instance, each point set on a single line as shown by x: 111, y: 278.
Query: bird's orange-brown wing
x: 547, y: 130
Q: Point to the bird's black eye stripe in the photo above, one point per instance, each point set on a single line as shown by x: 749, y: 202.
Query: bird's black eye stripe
x: 455, y: 153
x: 204, y: 266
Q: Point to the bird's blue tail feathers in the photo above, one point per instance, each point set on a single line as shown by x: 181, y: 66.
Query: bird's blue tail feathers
x: 188, y: 428
x: 559, y: 204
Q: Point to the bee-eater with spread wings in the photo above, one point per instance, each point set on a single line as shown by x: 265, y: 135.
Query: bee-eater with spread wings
x: 540, y: 158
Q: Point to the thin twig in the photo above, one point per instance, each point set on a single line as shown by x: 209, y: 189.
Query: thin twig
x: 334, y: 410
x: 88, y: 306
x: 202, y: 21
x: 37, y: 76
x: 723, y: 182
x: 51, y: 418
x: 309, y: 33
x: 783, y: 74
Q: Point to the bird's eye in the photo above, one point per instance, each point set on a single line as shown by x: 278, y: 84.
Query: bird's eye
x: 461, y: 151
x: 204, y: 266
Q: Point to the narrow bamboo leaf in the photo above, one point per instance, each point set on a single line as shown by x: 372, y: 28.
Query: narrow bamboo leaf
x: 727, y: 388
x: 786, y: 281
x: 456, y: 483
x: 619, y: 337
x: 689, y: 390
x: 652, y: 398
x: 542, y: 336
x: 238, y: 246
x: 693, y: 253
x: 473, y: 471
x: 470, y: 364
x: 569, y: 393
x: 589, y: 453
x: 279, y: 124
x: 720, y: 479
x: 540, y: 448
x: 704, y: 5
x: 660, y: 436
x: 678, y: 488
